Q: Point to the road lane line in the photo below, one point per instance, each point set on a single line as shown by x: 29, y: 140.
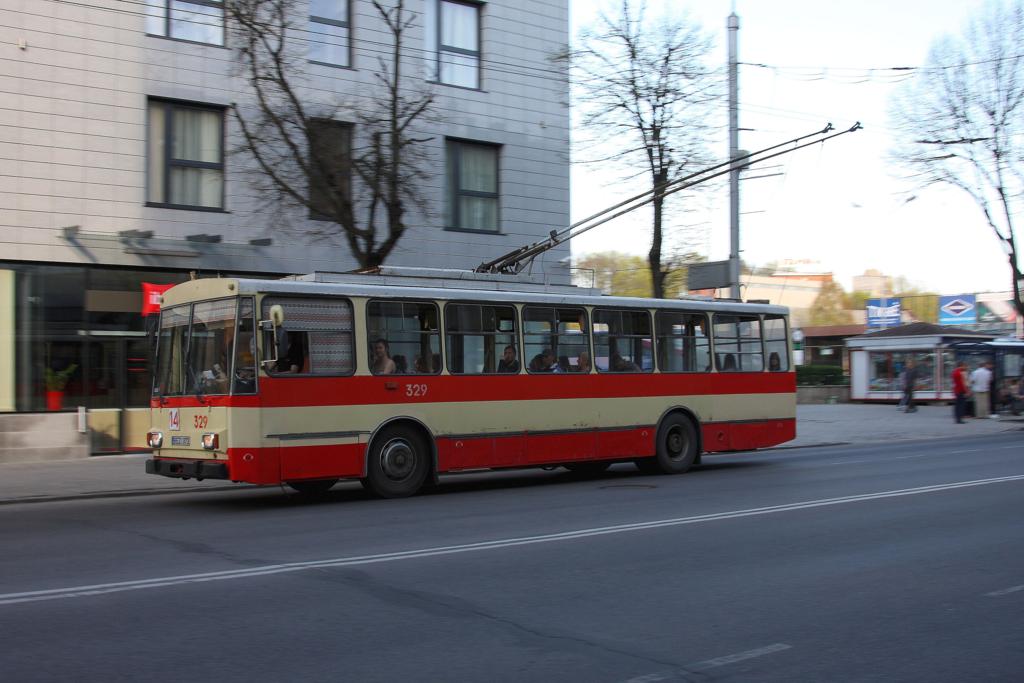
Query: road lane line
x: 1005, y: 591
x: 738, y: 657
x: 266, y: 570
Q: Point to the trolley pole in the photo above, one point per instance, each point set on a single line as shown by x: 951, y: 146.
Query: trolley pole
x: 734, y: 174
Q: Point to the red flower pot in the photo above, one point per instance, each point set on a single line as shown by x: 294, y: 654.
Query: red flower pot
x: 54, y: 400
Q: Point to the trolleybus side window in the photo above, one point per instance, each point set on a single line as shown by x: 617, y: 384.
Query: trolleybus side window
x: 554, y: 338
x: 683, y: 344
x: 477, y: 336
x: 775, y: 343
x: 737, y: 340
x: 404, y: 338
x: 622, y: 341
x: 319, y: 337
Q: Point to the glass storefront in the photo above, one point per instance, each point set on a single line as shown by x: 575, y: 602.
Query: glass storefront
x: 886, y: 370
x: 74, y: 336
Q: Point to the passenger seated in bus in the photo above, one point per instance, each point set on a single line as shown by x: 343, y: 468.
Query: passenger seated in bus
x: 774, y: 363
x: 619, y: 364
x: 381, y: 363
x: 401, y: 366
x: 295, y: 356
x: 563, y: 364
x: 583, y: 362
x: 730, y: 362
x: 544, y: 362
x: 508, y: 363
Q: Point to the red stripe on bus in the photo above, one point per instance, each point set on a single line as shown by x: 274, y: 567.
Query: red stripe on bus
x: 292, y: 463
x: 368, y: 390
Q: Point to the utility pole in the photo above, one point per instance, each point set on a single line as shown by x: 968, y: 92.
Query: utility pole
x: 734, y: 174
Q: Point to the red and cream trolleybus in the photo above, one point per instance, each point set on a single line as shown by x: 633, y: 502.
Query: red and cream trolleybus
x: 394, y: 381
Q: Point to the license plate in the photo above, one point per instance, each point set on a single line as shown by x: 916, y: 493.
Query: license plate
x: 181, y: 440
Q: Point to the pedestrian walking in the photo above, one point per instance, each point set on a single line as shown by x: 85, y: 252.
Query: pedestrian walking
x: 981, y: 383
x: 993, y: 393
x: 909, y: 380
x: 960, y: 392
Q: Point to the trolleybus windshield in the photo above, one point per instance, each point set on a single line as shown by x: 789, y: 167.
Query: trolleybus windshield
x: 196, y: 348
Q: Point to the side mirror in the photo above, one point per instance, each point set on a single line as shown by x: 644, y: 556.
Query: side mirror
x: 277, y: 315
x: 274, y: 334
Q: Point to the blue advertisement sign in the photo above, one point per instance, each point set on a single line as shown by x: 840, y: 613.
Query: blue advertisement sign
x: 883, y: 312
x: 960, y: 309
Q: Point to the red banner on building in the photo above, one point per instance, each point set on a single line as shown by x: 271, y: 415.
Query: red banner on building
x: 151, y: 297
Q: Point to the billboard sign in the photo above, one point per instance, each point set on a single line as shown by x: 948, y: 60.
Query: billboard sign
x: 884, y: 312
x: 960, y: 309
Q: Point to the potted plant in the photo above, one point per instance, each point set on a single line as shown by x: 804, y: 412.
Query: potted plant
x: 56, y: 380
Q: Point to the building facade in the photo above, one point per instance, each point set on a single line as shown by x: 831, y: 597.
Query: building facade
x: 123, y: 164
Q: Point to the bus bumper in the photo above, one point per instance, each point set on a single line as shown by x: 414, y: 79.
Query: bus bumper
x: 187, y: 469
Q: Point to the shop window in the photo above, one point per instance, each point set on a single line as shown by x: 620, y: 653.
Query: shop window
x: 404, y: 338
x: 481, y: 339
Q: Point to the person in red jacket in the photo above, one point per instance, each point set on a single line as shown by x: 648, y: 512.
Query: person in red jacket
x: 960, y: 391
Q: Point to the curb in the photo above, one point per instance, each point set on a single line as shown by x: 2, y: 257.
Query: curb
x: 130, y: 493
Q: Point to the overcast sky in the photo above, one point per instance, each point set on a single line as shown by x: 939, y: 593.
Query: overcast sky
x: 841, y: 204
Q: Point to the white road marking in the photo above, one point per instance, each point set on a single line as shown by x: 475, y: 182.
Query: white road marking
x: 738, y: 657
x: 969, y: 450
x: 1005, y: 591
x: 266, y: 570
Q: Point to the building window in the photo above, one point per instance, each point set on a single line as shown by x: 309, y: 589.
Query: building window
x: 330, y: 176
x: 185, y: 156
x: 472, y: 186
x: 199, y: 21
x: 329, y: 32
x: 458, y: 44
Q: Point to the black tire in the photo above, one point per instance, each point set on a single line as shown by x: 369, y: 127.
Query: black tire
x: 588, y: 469
x: 313, y: 487
x: 398, y: 464
x: 676, y: 445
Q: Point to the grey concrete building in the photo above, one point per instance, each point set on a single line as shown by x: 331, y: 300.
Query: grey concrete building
x: 119, y: 165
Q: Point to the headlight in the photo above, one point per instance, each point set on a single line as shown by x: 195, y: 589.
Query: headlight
x: 155, y: 439
x: 211, y: 442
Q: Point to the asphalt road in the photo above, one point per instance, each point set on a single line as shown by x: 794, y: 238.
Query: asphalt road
x: 901, y: 562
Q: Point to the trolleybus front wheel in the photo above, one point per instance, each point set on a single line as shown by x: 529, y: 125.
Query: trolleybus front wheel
x: 398, y: 464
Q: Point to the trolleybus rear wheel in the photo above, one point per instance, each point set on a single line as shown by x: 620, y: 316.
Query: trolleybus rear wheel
x: 398, y: 464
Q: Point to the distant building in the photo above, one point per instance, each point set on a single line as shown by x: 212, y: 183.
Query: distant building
x: 873, y: 283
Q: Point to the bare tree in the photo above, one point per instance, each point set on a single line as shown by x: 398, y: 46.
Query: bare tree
x: 306, y: 155
x: 962, y: 121
x: 645, y: 87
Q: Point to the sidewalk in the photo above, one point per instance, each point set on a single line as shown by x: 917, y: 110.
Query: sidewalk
x: 112, y: 476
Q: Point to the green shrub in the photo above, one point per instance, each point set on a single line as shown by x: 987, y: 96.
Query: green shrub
x: 830, y: 375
